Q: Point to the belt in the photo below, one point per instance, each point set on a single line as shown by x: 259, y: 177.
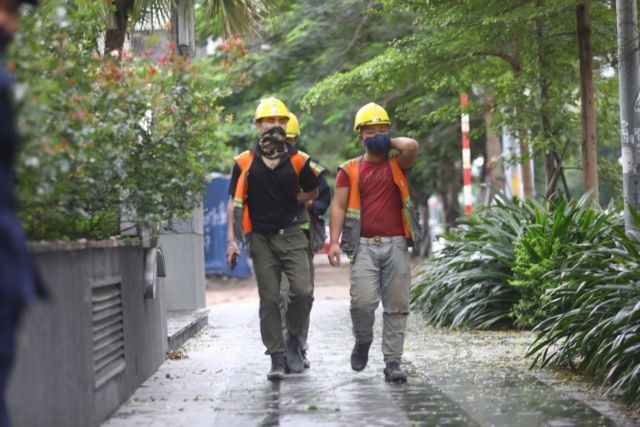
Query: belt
x: 376, y: 240
x: 282, y: 231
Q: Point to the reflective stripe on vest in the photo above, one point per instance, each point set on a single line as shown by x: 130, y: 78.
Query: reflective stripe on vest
x: 244, y: 161
x: 316, y: 168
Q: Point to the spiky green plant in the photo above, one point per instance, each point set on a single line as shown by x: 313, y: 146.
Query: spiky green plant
x: 466, y: 284
x: 553, y: 233
x: 596, y: 325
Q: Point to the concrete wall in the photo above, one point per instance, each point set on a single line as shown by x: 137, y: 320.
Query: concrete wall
x: 183, y: 249
x: 55, y: 381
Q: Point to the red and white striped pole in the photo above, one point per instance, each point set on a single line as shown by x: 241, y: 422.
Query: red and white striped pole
x: 466, y: 154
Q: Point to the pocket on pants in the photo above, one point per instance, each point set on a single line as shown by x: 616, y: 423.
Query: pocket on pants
x: 295, y: 240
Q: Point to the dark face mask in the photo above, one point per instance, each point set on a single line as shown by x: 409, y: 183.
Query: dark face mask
x: 378, y: 143
x: 5, y: 41
x: 272, y: 143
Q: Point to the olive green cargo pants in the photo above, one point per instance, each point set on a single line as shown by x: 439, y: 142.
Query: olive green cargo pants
x: 284, y: 252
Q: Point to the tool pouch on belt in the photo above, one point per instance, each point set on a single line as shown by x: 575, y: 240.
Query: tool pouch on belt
x: 413, y: 218
x: 317, y: 233
x: 350, y: 236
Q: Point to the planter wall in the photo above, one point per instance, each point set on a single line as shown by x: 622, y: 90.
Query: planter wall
x: 84, y: 352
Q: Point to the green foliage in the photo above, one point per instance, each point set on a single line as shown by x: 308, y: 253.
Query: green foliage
x: 553, y: 233
x: 501, y: 52
x: 301, y: 44
x: 567, y: 269
x: 230, y: 17
x: 503, y: 263
x: 530, y: 275
x: 105, y: 137
x: 466, y: 284
x: 596, y: 322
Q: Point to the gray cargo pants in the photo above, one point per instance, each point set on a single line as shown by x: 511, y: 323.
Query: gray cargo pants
x: 381, y: 271
x: 284, y: 252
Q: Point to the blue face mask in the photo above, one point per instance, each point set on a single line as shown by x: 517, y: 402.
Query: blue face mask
x: 378, y: 143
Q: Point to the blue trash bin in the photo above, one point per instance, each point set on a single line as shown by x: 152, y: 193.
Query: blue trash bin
x: 215, y: 230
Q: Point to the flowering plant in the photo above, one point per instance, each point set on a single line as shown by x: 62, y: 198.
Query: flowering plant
x: 107, y: 135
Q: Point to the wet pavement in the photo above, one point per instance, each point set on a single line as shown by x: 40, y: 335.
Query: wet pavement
x: 456, y: 379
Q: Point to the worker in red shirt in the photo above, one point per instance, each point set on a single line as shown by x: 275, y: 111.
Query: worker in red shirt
x: 373, y: 212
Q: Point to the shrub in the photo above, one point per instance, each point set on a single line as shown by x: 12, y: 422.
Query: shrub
x: 467, y: 282
x: 567, y: 269
x: 595, y: 327
x: 548, y: 239
x: 105, y: 136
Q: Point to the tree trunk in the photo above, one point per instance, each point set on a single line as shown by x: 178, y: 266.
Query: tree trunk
x: 550, y: 166
x: 587, y: 97
x: 527, y: 174
x: 450, y: 203
x: 493, y: 147
x: 114, y: 38
x: 528, y: 186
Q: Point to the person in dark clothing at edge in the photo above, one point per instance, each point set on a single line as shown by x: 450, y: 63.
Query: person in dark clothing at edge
x: 314, y: 228
x: 19, y: 284
x: 268, y: 184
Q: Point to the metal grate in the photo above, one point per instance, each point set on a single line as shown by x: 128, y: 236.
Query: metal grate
x: 108, y: 329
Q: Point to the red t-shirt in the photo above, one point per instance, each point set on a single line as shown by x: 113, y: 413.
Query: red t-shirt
x: 380, y: 199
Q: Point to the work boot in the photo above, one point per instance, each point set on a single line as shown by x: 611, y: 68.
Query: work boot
x: 294, y: 354
x: 393, y: 372
x: 277, y: 367
x: 360, y: 355
x: 305, y: 361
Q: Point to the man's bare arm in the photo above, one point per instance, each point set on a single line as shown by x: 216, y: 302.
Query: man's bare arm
x: 336, y: 222
x: 308, y: 196
x: 232, y: 246
x: 407, y: 151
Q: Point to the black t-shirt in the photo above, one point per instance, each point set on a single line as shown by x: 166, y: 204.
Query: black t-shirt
x: 272, y: 192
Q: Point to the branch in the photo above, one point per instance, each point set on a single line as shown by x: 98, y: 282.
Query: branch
x: 354, y: 39
x: 399, y: 93
x: 502, y: 55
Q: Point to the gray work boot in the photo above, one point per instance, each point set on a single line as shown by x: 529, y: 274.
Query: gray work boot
x: 277, y: 367
x: 294, y: 354
x: 360, y: 355
x: 393, y: 372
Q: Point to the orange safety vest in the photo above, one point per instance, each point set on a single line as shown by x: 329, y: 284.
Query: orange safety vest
x: 241, y: 208
x: 352, y: 224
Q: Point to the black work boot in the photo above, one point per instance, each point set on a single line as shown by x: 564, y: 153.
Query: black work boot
x: 360, y: 355
x: 277, y: 367
x: 393, y: 372
x: 294, y: 354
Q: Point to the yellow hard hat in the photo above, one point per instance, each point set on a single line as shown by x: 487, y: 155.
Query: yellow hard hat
x: 371, y: 114
x: 293, y: 126
x: 270, y: 107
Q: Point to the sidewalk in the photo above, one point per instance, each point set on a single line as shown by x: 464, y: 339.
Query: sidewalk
x: 456, y: 379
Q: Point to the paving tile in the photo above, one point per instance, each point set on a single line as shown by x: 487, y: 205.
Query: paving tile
x: 455, y: 379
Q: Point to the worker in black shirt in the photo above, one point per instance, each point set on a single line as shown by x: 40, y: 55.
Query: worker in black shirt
x: 268, y: 184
